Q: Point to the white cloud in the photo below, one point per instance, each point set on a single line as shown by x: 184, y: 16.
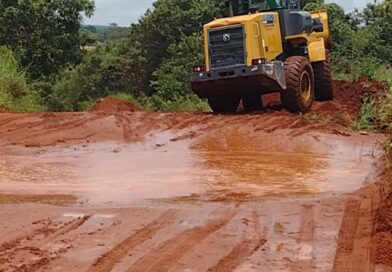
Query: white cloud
x: 350, y: 5
x: 125, y: 12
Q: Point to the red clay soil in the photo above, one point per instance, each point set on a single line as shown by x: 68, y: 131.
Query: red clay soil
x: 382, y: 239
x: 111, y: 119
x: 111, y: 104
x: 278, y: 234
x: 382, y: 236
x: 348, y: 97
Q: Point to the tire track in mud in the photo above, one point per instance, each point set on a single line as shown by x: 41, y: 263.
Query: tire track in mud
x: 108, y: 260
x: 53, y: 128
x: 48, y: 129
x: 163, y: 257
x: 137, y: 125
x: 6, y: 122
x: 32, y: 244
x: 305, y: 241
x: 362, y: 253
x: 252, y: 241
x: 66, y: 228
x: 30, y: 132
x: 348, y: 229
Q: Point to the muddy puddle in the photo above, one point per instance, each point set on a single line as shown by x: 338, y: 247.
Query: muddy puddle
x: 227, y: 166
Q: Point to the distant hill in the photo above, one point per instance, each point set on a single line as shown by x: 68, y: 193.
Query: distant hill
x: 107, y: 33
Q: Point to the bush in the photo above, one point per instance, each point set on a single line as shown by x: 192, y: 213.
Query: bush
x: 128, y: 97
x: 15, y: 93
x: 173, y: 87
x: 181, y: 103
x: 103, y: 72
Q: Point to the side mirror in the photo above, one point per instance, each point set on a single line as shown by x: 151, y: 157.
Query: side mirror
x: 317, y: 25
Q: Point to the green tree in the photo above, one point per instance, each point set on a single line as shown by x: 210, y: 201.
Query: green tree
x: 172, y: 84
x: 106, y: 70
x: 15, y: 92
x: 166, y: 24
x: 117, y: 34
x: 44, y: 34
x: 378, y: 19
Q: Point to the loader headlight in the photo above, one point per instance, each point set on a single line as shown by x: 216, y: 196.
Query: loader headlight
x: 199, y: 69
x: 258, y: 61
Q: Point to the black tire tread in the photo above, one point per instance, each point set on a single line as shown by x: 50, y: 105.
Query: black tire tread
x: 323, y: 81
x: 291, y: 97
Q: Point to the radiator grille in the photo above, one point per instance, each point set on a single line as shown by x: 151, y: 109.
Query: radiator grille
x: 227, y: 47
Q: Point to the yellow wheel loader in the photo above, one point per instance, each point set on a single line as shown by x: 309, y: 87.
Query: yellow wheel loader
x: 265, y: 47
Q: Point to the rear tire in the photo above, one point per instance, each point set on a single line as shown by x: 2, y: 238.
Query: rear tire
x: 298, y: 97
x: 222, y: 104
x: 323, y: 81
x: 252, y: 102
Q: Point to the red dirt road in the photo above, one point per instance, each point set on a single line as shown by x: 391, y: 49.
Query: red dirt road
x: 141, y: 191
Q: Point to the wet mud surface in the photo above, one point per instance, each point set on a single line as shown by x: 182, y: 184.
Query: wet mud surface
x: 226, y: 163
x: 114, y: 190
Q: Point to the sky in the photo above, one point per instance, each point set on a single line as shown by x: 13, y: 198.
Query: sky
x: 125, y: 12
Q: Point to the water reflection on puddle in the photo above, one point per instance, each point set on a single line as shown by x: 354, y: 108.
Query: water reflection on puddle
x: 222, y: 167
x: 272, y: 166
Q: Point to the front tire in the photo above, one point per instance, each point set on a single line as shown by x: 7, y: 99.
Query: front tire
x: 298, y: 97
x: 223, y: 104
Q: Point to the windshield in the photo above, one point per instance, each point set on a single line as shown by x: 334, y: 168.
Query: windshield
x: 240, y: 7
x: 260, y: 5
x: 263, y: 5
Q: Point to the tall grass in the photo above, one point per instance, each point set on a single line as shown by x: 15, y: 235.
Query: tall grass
x: 384, y: 114
x: 376, y: 112
x: 365, y: 120
x: 15, y: 92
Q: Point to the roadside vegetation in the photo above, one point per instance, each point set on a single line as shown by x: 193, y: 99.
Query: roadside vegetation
x: 15, y: 92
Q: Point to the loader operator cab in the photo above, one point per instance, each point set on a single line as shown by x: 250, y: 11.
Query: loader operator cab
x: 241, y: 7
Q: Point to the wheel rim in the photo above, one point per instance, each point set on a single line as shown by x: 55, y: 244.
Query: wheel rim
x: 306, y: 86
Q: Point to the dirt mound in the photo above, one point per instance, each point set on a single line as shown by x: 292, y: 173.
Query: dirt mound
x: 348, y: 100
x: 45, y: 129
x: 349, y: 96
x: 3, y: 110
x: 111, y: 104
